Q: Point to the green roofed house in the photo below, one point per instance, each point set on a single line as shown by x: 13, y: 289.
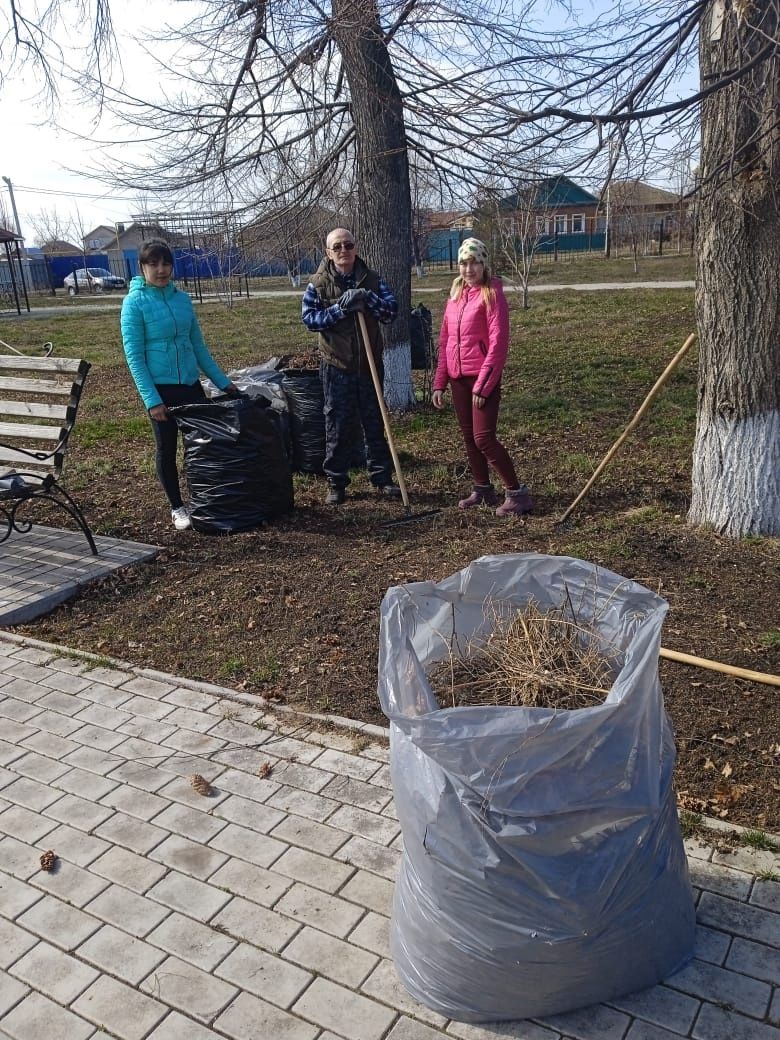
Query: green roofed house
x: 564, y: 216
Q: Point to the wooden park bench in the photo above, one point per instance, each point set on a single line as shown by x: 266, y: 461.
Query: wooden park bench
x: 39, y: 400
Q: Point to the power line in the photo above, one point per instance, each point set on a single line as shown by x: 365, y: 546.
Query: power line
x: 108, y: 195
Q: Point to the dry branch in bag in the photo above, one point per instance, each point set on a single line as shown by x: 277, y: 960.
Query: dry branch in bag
x: 532, y: 658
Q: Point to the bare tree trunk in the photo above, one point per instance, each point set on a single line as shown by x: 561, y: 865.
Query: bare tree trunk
x: 736, y: 455
x: 384, y: 195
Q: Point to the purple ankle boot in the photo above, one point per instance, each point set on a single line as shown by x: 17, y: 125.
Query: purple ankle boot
x: 516, y: 503
x: 482, y: 493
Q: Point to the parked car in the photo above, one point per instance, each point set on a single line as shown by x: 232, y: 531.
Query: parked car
x: 92, y: 279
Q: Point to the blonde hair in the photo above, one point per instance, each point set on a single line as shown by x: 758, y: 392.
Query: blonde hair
x: 487, y: 290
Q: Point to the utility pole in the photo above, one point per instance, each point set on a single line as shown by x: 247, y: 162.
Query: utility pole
x: 13, y: 207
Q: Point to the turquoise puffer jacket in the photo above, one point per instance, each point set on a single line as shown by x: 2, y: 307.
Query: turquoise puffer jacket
x: 162, y: 340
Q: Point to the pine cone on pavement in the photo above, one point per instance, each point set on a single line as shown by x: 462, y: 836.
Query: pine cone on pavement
x: 200, y: 785
x: 48, y: 860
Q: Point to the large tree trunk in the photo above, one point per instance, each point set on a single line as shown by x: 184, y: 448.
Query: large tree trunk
x: 384, y: 196
x: 736, y: 455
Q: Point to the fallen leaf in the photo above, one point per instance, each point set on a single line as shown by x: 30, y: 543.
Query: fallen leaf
x: 727, y: 770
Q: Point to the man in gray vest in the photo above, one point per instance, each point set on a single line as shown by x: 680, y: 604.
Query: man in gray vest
x: 342, y: 286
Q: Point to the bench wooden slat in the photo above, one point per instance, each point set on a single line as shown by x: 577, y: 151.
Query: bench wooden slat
x: 34, y: 409
x: 40, y: 364
x: 21, y: 461
x: 17, y: 431
x: 36, y: 386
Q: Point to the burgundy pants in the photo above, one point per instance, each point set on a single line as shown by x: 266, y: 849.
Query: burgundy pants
x: 478, y: 426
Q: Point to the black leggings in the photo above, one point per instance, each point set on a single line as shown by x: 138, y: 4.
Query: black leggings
x: 166, y: 435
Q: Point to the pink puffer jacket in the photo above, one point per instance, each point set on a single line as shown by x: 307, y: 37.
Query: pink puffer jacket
x: 474, y: 341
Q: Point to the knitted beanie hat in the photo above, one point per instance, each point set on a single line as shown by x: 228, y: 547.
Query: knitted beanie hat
x: 472, y: 249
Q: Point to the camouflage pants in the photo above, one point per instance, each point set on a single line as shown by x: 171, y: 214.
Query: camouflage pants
x: 350, y: 396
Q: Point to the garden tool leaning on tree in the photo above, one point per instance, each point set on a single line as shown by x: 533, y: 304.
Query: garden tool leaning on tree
x: 409, y: 515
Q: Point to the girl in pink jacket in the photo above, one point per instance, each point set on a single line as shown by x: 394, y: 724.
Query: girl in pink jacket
x: 473, y: 346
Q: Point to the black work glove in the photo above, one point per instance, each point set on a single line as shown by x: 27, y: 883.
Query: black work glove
x: 353, y: 300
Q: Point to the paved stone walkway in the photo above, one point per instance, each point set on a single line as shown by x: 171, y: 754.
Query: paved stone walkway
x: 262, y: 911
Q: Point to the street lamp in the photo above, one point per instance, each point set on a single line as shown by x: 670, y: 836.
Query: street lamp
x: 13, y: 206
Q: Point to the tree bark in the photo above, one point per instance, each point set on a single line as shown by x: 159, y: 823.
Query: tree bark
x: 736, y: 455
x: 384, y: 195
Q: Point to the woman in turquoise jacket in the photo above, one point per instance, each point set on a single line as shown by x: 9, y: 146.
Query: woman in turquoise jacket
x: 166, y: 352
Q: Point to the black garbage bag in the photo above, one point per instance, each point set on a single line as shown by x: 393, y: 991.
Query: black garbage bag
x: 306, y: 404
x: 303, y: 390
x: 237, y: 470
x: 421, y: 337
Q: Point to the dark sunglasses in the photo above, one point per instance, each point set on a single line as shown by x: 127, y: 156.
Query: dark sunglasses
x: 346, y: 246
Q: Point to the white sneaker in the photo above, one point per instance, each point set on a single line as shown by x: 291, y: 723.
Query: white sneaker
x: 181, y: 518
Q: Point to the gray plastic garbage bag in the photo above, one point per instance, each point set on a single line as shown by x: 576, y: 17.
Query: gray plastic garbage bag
x: 543, y: 866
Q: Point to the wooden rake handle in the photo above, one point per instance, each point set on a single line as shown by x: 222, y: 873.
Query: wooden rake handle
x: 383, y: 409
x: 640, y: 412
x: 716, y: 666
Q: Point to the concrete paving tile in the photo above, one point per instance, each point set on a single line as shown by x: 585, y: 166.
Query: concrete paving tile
x: 19, y: 711
x: 176, y: 1027
x: 253, y: 923
x: 248, y: 845
x: 356, y: 792
x: 97, y: 737
x: 184, y: 765
x: 369, y: 890
x: 147, y: 707
x: 640, y: 1030
x: 189, y: 823
x: 124, y: 1011
x: 18, y: 858
x: 183, y: 986
x: 730, y: 916
x: 337, y: 960
x: 765, y: 893
x: 33, y: 655
x: 128, y: 869
x: 180, y: 790
x: 716, y: 1023
x: 70, y: 883
x: 127, y: 911
x: 12, y: 992
x: 752, y: 861
x: 319, y: 871
x: 662, y: 1006
x: 10, y: 753
x: 106, y: 676
x: 317, y: 837
x: 383, y: 984
x: 23, y: 689
x: 292, y: 749
x: 238, y: 732
x: 320, y: 910
x: 191, y: 742
x: 133, y: 834
x: 65, y: 682
x: 58, y: 923
x: 74, y: 845
x: 78, y: 812
x: 709, y: 982
x: 103, y: 715
x: 188, y: 857
x: 248, y: 813
x: 303, y: 803
x: 714, y: 877
x: 195, y: 943
x: 148, y: 778
x: 373, y: 933
x: 264, y: 975
x: 147, y: 687
x: 711, y: 945
x: 188, y: 896
x: 370, y: 856
x: 131, y: 800
x: 249, y: 1016
x: 255, y: 883
x: 592, y: 1023
x: 186, y: 698
x: 346, y: 765
x: 14, y: 942
x: 19, y: 732
x: 407, y: 1029
x: 92, y: 760
x: 190, y: 718
x: 146, y: 729
x: 24, y: 825
x: 755, y: 959
x: 234, y: 781
x: 370, y: 825
x: 55, y: 724
x: 54, y: 973
x: 339, y: 1009
x: 16, y: 896
x: 38, y: 1017
x: 79, y: 781
x: 120, y: 954
x: 39, y: 767
x: 63, y: 703
x: 105, y: 695
x: 30, y: 793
